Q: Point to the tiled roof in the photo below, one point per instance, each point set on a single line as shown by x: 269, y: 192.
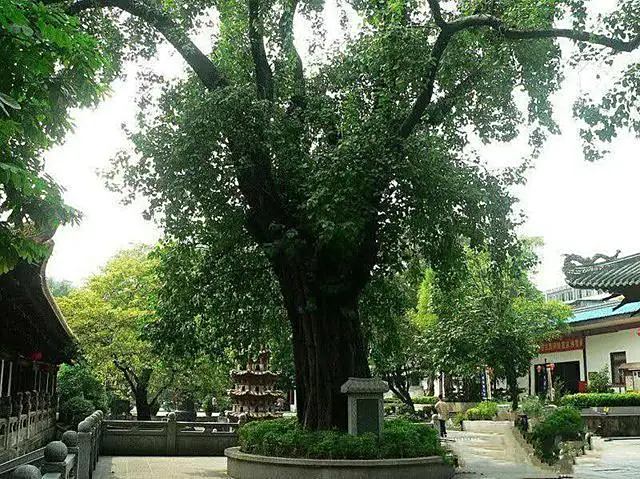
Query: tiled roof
x: 607, y: 275
x: 605, y: 311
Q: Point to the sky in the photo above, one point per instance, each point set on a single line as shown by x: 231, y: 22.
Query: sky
x: 575, y: 206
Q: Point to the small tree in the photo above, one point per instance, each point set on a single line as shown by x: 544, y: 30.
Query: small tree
x: 599, y: 381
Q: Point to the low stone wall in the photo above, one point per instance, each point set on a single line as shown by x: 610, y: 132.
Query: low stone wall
x: 613, y: 421
x: 167, y: 438
x: 26, y: 432
x: 251, y: 466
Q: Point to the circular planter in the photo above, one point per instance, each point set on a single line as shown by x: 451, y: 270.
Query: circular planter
x: 250, y: 466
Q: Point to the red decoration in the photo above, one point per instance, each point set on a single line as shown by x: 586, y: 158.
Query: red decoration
x: 35, y: 356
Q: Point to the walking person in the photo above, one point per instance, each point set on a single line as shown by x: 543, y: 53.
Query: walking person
x: 442, y: 408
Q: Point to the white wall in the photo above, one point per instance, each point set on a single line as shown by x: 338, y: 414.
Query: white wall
x: 600, y: 346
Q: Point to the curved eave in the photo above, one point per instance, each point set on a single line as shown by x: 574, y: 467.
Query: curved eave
x: 30, y: 318
x: 613, y: 275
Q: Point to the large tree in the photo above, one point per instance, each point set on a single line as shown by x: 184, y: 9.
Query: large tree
x: 109, y: 316
x: 329, y: 169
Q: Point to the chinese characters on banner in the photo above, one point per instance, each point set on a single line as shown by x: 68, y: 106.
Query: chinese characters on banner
x: 563, y: 344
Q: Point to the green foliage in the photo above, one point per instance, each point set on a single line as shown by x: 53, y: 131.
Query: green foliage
x: 80, y: 392
x: 486, y: 411
x: 586, y: 400
x: 59, y: 288
x: 79, y: 381
x: 285, y: 438
x: 599, y: 381
x: 111, y: 315
x: 532, y: 406
x: 75, y: 410
x: 494, y: 316
x: 48, y: 66
x: 564, y: 424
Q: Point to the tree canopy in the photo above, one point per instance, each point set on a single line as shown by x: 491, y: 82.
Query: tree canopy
x: 494, y: 318
x: 328, y: 167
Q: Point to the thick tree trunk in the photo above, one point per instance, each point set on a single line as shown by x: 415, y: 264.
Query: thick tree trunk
x: 143, y: 407
x: 328, y: 346
x: 512, y: 383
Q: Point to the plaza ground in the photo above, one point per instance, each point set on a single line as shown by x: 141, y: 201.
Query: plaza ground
x: 493, y: 454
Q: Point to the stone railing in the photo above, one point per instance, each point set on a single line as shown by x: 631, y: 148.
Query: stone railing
x: 167, y: 438
x: 74, y: 457
x: 27, y: 422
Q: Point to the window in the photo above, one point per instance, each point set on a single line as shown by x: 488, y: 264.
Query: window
x: 617, y: 359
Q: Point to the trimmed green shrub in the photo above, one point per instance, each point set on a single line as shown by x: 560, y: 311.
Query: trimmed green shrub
x: 486, y: 410
x: 564, y: 424
x: 585, y: 400
x: 286, y: 438
x: 75, y: 410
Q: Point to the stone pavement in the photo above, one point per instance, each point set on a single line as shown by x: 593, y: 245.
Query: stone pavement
x: 135, y: 467
x: 491, y: 451
x: 612, y: 459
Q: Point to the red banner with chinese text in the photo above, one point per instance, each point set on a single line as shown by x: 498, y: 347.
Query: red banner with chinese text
x: 563, y: 344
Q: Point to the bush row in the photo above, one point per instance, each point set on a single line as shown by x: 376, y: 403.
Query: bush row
x: 285, y: 438
x: 585, y: 400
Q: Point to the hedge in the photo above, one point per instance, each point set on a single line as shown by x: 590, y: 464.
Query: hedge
x: 486, y: 410
x: 564, y: 423
x: 286, y: 438
x: 586, y: 400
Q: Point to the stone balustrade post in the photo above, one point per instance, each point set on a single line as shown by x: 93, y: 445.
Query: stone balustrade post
x: 26, y: 471
x: 172, y: 433
x: 55, y: 455
x: 70, y: 439
x: 85, y: 429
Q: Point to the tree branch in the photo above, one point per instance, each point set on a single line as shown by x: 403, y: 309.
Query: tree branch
x: 424, y: 98
x: 434, y: 5
x: 449, y: 29
x: 264, y: 77
x: 161, y: 21
x: 125, y: 371
x: 476, y: 21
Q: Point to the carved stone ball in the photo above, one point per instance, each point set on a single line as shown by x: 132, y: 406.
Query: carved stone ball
x: 70, y: 438
x: 85, y: 426
x: 56, y: 451
x: 171, y: 416
x: 26, y: 472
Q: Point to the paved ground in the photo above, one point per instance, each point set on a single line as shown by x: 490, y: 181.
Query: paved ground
x: 160, y: 467
x: 492, y: 452
x: 614, y: 459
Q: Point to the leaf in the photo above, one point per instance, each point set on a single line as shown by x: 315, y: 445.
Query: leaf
x: 10, y: 102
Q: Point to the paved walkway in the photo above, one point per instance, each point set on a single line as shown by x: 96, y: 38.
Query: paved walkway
x: 613, y: 459
x: 134, y: 467
x: 491, y: 451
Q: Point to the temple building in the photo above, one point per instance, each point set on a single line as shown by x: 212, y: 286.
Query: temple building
x: 604, y: 331
x: 34, y: 341
x: 254, y: 394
